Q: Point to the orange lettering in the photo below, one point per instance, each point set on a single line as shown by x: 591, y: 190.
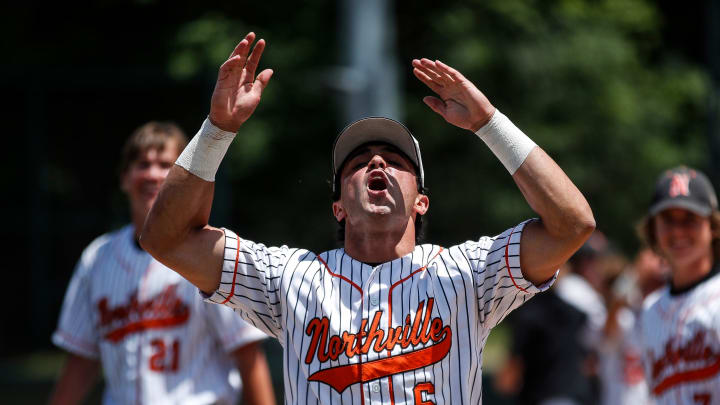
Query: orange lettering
x: 414, y: 338
x: 375, y: 334
x: 336, y: 347
x: 425, y: 333
x: 426, y: 387
x: 316, y: 328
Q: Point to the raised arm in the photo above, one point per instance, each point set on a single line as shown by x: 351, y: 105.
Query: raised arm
x: 176, y: 231
x: 566, y: 220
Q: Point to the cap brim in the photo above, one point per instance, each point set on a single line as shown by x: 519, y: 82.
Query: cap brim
x: 689, y: 205
x: 375, y: 129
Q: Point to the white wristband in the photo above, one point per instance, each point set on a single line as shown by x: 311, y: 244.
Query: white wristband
x: 509, y: 144
x: 205, y: 151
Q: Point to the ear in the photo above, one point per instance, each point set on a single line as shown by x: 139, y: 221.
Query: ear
x: 422, y: 204
x: 338, y: 211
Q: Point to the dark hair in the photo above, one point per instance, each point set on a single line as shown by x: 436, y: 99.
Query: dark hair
x: 646, y: 232
x: 152, y: 135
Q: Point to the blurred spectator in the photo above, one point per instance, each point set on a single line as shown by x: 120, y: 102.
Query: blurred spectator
x: 546, y: 362
x: 556, y: 335
x: 585, y: 286
x: 621, y: 372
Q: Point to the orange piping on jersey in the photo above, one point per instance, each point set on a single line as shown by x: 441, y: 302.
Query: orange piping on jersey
x: 340, y: 275
x: 412, y: 274
x: 390, y: 384
x: 507, y: 261
x: 687, y: 376
x: 237, y: 258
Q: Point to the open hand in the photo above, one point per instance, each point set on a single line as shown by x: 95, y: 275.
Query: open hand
x: 458, y: 101
x: 237, y: 90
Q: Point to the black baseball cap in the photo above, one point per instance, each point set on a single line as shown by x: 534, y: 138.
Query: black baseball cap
x: 375, y: 129
x: 684, y: 187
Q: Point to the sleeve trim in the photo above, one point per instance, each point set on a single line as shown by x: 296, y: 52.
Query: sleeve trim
x: 507, y: 261
x: 237, y: 259
x: 74, y: 345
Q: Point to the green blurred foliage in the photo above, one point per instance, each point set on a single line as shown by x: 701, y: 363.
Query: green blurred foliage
x: 588, y: 80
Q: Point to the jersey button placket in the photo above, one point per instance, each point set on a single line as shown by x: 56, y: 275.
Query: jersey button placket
x: 371, y: 291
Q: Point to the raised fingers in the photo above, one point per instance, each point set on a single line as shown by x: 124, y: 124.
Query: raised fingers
x: 435, y: 104
x: 263, y: 79
x: 231, y: 65
x: 438, y: 74
x: 254, y: 59
x: 447, y: 70
x: 426, y: 76
x: 244, y: 45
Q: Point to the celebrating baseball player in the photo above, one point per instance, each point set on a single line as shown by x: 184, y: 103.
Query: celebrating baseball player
x: 382, y: 320
x: 681, y: 323
x: 157, y: 340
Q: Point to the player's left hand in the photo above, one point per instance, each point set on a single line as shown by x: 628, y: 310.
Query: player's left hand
x: 458, y: 101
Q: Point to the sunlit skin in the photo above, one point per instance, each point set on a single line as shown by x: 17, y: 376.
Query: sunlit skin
x: 142, y: 180
x: 685, y: 241
x: 379, y: 201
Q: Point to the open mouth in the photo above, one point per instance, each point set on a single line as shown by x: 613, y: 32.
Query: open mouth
x: 377, y: 184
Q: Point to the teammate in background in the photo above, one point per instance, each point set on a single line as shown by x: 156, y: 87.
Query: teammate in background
x: 553, y: 357
x: 384, y: 319
x: 157, y: 341
x: 584, y: 287
x: 681, y: 327
x: 621, y: 367
x: 547, y: 358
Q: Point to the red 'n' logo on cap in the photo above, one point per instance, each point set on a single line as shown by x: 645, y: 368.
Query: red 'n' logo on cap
x: 679, y: 185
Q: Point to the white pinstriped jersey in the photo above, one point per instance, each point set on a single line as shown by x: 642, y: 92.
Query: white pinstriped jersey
x: 158, y: 342
x: 681, y: 339
x: 409, y: 331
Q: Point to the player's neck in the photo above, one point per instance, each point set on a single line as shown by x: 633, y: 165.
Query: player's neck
x: 687, y: 274
x: 379, y: 246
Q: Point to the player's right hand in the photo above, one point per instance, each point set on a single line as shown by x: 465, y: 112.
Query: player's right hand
x: 237, y: 90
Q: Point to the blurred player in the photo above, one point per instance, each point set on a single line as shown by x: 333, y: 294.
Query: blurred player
x: 681, y: 328
x: 547, y: 356
x: 553, y: 357
x: 621, y: 367
x: 156, y: 340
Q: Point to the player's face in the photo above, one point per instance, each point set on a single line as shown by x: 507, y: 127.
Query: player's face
x: 143, y: 178
x: 377, y: 181
x: 683, y: 237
